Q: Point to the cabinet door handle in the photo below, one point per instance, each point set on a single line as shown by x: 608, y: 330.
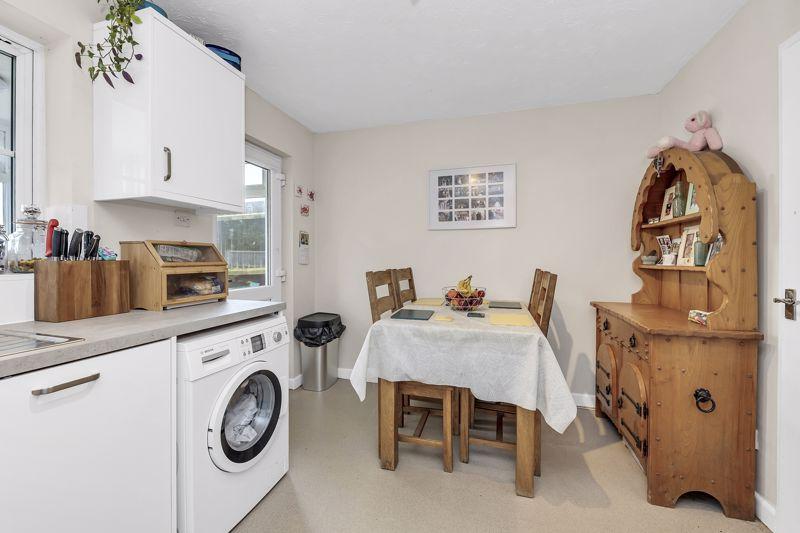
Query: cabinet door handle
x: 169, y: 163
x: 67, y: 385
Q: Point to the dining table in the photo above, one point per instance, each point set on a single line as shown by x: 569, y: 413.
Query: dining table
x: 501, y: 356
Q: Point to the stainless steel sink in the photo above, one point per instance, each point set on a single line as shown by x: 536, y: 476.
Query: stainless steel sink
x: 14, y: 342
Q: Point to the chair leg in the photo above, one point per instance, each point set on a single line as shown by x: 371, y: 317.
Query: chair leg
x: 455, y: 409
x: 463, y: 446
x: 447, y: 429
x: 471, y: 410
x: 537, y: 446
x: 401, y: 402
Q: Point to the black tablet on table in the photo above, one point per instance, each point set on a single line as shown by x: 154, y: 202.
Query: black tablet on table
x: 413, y: 314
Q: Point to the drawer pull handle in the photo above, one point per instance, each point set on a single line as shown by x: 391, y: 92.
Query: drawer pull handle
x: 214, y: 356
x: 632, y: 341
x: 703, y: 396
x: 169, y: 164
x: 67, y: 385
x: 600, y: 367
x: 605, y: 325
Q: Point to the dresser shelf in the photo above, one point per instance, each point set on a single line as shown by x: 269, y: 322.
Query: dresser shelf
x: 674, y: 267
x: 673, y: 221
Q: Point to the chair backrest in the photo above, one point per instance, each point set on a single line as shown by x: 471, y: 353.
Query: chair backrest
x: 377, y: 305
x: 541, y: 302
x: 404, y: 295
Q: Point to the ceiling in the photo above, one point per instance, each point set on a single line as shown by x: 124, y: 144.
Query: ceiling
x: 346, y: 64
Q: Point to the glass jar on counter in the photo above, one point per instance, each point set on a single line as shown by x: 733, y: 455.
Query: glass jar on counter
x: 3, y: 248
x: 27, y: 243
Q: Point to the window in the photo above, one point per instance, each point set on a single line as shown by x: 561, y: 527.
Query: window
x: 251, y: 241
x: 18, y: 93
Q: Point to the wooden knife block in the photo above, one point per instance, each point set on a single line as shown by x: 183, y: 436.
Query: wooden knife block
x: 73, y: 290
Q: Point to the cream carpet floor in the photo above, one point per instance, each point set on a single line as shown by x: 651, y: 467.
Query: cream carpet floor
x: 589, y: 482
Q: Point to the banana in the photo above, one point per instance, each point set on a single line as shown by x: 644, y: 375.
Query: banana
x: 464, y: 287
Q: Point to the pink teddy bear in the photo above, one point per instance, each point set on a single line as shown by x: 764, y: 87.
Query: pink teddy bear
x: 703, y: 135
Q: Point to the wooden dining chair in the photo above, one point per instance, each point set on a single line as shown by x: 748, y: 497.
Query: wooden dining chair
x: 540, y: 306
x: 400, y: 275
x: 445, y: 394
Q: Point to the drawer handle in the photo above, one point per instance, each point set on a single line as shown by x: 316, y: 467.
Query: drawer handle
x: 67, y: 385
x: 605, y: 325
x: 632, y: 341
x: 600, y: 367
x: 703, y: 396
x: 169, y: 163
x: 214, y: 356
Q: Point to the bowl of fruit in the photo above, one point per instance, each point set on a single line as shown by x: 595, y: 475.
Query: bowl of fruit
x: 464, y: 297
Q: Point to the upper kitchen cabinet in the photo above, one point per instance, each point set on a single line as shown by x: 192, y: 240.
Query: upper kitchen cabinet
x: 175, y: 136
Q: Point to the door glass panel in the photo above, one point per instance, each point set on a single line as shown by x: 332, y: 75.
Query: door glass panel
x: 249, y: 412
x: 244, y: 238
x: 6, y: 140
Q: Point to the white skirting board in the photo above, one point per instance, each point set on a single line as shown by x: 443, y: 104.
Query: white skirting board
x: 765, y: 511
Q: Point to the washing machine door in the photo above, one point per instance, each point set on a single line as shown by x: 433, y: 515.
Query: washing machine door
x: 244, y: 418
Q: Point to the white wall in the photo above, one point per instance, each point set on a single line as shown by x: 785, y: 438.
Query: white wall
x: 578, y: 171
x: 59, y: 25
x: 735, y: 77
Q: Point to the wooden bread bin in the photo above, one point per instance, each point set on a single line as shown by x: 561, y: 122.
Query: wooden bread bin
x: 73, y: 290
x: 174, y: 273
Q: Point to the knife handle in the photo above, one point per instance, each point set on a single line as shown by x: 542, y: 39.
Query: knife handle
x: 87, y: 243
x: 64, y: 243
x: 55, y: 244
x: 48, y: 240
x: 75, y: 244
x: 92, y: 253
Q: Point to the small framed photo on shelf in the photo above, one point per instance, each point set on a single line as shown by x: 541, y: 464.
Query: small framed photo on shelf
x: 653, y: 220
x: 715, y: 247
x: 691, y: 201
x: 690, y: 236
x: 666, y: 207
x: 665, y: 244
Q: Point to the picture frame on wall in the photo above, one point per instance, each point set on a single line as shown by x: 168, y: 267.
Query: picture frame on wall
x: 666, y: 207
x: 473, y: 197
x: 690, y: 236
x: 691, y: 201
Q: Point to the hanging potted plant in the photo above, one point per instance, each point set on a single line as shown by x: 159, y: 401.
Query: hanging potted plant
x: 111, y: 57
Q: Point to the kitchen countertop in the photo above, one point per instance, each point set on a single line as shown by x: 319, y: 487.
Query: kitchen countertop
x: 117, y: 332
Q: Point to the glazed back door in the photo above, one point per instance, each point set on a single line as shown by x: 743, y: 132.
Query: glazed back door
x: 788, y: 512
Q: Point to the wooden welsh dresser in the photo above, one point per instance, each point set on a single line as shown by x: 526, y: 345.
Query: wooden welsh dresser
x: 683, y: 395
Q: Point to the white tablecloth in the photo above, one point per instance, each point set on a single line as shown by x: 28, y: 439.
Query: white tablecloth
x: 511, y: 364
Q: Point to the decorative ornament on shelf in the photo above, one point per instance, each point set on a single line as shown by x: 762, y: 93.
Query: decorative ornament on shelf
x: 311, y: 195
x: 305, y: 210
x: 703, y: 136
x: 111, y: 57
x: 299, y: 191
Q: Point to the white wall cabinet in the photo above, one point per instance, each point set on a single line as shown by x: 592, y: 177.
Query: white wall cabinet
x: 94, y: 457
x: 176, y: 136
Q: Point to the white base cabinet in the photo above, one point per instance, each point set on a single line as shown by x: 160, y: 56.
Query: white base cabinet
x: 176, y: 136
x: 96, y: 456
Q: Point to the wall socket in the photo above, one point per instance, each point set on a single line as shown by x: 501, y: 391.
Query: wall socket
x: 184, y: 219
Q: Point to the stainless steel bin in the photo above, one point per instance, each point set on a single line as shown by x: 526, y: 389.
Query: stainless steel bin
x: 320, y: 365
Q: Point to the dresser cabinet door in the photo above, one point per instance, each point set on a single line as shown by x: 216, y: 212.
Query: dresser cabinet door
x: 633, y: 410
x: 88, y: 446
x: 606, y: 379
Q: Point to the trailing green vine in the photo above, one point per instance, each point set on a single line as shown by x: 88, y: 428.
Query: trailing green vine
x: 111, y: 57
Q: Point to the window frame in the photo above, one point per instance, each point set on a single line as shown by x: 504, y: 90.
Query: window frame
x: 28, y: 155
x: 274, y: 291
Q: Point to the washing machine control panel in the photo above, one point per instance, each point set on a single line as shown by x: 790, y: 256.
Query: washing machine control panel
x: 255, y: 344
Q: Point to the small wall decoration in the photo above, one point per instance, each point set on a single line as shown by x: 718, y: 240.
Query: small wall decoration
x: 303, y: 252
x: 311, y: 195
x: 686, y: 250
x: 305, y: 210
x: 299, y: 190
x: 473, y: 197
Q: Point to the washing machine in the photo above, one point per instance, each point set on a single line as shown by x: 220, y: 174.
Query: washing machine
x: 233, y: 421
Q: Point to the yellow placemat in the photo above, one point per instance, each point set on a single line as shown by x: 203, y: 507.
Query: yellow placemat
x: 442, y: 318
x: 510, y: 319
x: 435, y: 302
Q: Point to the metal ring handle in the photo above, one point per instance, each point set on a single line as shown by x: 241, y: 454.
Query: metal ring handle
x: 67, y: 385
x: 169, y: 163
x: 703, y: 396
